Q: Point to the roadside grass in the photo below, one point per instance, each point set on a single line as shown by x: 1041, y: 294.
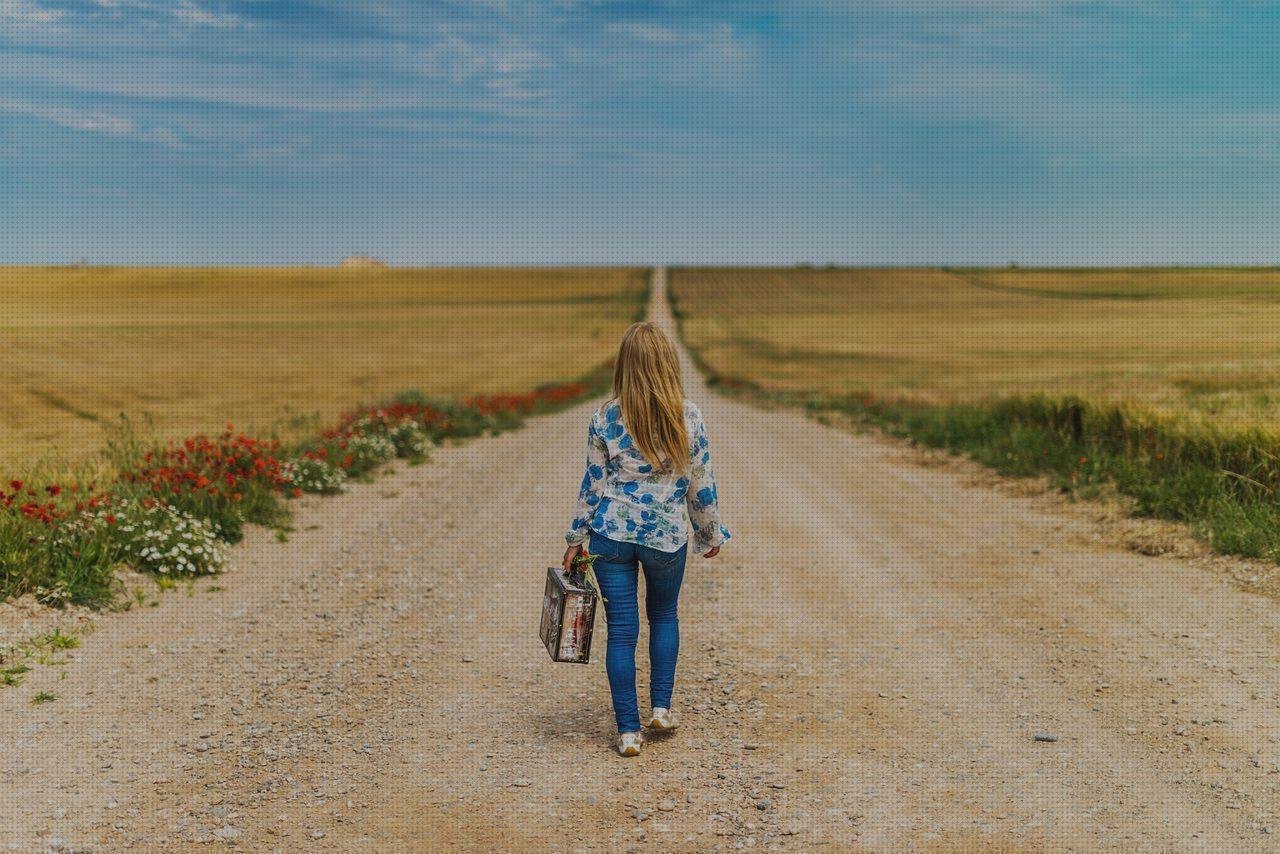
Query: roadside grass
x: 279, y: 352
x: 174, y: 506
x: 1219, y: 473
x: 16, y: 659
x: 1221, y: 484
x: 11, y: 675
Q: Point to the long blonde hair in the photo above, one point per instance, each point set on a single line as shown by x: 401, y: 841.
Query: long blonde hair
x: 646, y: 384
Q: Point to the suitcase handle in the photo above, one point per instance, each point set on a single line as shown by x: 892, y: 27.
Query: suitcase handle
x: 578, y: 570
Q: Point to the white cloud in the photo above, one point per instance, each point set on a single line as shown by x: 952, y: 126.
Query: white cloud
x: 28, y: 12
x: 719, y: 39
x: 509, y: 87
x: 217, y: 83
x: 462, y: 59
x: 723, y: 44
x: 163, y: 136
x: 650, y: 33
x: 279, y: 149
x: 189, y: 13
x: 934, y: 7
x: 198, y: 16
x: 709, y: 56
x: 92, y: 121
x: 100, y: 122
x: 88, y: 120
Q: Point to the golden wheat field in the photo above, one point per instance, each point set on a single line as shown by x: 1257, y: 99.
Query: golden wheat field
x: 194, y: 348
x: 1200, y: 343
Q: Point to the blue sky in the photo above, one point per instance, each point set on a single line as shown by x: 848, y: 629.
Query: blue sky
x: 595, y: 131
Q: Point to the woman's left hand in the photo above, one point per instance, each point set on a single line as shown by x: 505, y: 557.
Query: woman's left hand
x: 569, y: 554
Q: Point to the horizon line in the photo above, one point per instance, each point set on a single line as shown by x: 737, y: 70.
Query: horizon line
x: 878, y: 265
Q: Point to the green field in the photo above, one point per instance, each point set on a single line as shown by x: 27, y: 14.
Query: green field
x: 1200, y: 344
x: 196, y: 348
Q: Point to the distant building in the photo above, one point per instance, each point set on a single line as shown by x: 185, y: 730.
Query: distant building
x: 363, y: 262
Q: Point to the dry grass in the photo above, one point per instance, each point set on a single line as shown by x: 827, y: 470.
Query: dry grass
x: 1199, y: 343
x: 194, y: 348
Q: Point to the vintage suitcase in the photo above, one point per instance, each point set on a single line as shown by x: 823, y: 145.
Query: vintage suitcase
x: 568, y: 616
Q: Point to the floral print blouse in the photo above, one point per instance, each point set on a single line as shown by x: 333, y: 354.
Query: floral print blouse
x: 624, y: 499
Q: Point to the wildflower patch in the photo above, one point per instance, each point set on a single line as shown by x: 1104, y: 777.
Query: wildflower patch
x: 173, y: 508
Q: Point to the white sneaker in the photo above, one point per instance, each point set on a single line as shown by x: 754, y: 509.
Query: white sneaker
x: 663, y: 720
x: 629, y: 743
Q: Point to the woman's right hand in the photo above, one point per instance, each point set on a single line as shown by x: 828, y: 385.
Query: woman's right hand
x: 569, y: 554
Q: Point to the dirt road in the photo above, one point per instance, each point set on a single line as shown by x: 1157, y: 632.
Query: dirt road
x: 867, y: 665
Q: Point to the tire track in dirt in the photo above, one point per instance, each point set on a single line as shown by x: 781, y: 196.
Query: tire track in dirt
x: 864, y: 666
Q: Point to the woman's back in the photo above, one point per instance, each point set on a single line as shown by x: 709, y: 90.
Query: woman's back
x: 625, y: 496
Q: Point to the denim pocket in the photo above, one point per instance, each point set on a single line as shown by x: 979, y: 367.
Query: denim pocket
x: 609, y: 551
x: 664, y: 561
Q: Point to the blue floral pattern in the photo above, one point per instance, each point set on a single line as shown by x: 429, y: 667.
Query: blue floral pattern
x: 623, y: 498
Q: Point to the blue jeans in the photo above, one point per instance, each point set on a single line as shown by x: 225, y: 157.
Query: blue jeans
x: 617, y: 570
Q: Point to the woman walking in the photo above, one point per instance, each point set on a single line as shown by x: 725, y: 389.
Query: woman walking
x: 648, y: 476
